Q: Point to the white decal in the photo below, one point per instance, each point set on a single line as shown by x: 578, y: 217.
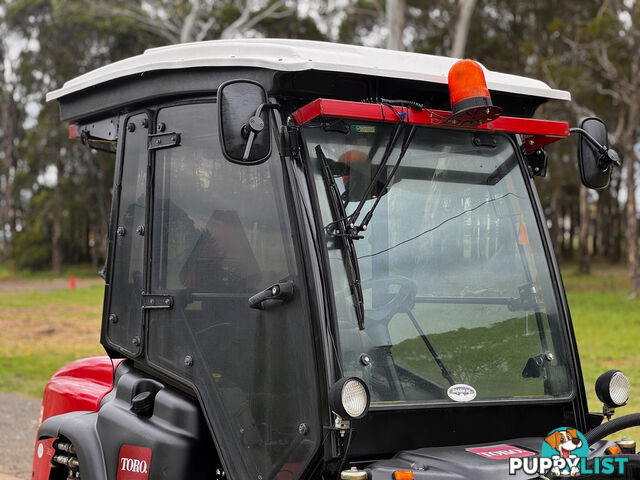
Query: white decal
x: 133, y: 465
x: 461, y: 392
x: 40, y: 450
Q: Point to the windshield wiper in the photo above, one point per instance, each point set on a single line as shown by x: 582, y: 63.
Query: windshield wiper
x: 338, y: 211
x: 403, y: 149
x: 351, y: 228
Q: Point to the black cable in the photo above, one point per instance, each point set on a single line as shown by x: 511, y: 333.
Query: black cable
x: 440, y: 224
x: 346, y: 452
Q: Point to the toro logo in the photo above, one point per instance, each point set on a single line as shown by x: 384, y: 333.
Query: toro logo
x: 134, y: 463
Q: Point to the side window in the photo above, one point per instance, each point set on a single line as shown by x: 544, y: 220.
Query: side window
x: 124, y: 318
x: 221, y: 233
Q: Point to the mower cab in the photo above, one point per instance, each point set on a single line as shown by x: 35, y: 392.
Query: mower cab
x: 319, y: 268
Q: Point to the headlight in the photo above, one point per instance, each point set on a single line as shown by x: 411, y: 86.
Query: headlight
x: 349, y: 398
x: 612, y: 388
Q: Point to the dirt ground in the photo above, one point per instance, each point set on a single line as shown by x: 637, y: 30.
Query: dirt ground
x: 18, y: 422
x: 23, y: 285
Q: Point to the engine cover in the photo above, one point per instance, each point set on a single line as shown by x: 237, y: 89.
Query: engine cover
x: 464, y: 462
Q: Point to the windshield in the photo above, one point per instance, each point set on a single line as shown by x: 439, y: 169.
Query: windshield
x: 455, y: 283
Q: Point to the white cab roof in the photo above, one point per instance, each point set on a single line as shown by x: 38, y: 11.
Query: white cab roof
x: 298, y: 55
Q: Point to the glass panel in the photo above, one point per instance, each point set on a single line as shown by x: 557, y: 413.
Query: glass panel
x: 455, y: 279
x: 128, y: 266
x: 220, y: 235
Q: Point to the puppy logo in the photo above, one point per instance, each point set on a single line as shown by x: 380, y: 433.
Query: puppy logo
x: 567, y: 444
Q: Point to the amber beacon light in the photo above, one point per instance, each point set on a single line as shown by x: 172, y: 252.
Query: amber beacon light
x: 470, y: 99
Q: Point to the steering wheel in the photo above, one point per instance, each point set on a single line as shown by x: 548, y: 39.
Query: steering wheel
x: 612, y: 426
x: 401, y: 301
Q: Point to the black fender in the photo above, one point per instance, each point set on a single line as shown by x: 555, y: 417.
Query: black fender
x: 168, y: 425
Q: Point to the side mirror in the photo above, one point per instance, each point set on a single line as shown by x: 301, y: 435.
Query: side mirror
x: 245, y: 136
x: 594, y: 155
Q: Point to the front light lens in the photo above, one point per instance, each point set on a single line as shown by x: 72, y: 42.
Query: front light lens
x: 612, y: 388
x: 349, y: 398
x: 354, y: 398
x: 619, y: 388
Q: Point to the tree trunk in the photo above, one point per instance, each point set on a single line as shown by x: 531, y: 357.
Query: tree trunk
x: 461, y: 28
x: 632, y: 223
x: 7, y: 126
x: 396, y: 10
x: 583, y: 238
x: 57, y: 256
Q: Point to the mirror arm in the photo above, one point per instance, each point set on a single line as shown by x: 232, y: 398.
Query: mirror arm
x: 607, y: 155
x: 255, y: 126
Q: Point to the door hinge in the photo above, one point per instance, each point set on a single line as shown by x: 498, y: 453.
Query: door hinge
x: 164, y: 140
x: 290, y: 141
x: 151, y: 301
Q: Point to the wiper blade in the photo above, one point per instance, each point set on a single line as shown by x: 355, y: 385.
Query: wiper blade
x: 338, y: 211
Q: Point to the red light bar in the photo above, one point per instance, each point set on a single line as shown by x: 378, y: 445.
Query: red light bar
x: 537, y: 133
x: 74, y: 131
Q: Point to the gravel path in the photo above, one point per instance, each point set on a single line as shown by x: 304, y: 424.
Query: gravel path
x: 18, y: 422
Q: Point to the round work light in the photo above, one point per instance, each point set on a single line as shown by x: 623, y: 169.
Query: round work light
x: 612, y: 388
x: 349, y: 398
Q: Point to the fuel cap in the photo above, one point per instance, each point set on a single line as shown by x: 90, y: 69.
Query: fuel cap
x: 353, y: 474
x: 142, y: 404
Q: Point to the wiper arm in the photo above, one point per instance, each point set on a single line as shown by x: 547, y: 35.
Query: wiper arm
x: 403, y: 149
x: 383, y: 163
x: 338, y: 211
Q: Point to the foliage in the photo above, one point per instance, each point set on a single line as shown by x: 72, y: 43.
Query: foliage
x: 587, y: 47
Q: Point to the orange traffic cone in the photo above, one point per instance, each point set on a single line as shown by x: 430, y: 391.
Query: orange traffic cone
x: 72, y: 282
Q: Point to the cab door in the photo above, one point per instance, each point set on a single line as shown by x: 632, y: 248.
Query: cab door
x: 123, y: 317
x: 221, y: 233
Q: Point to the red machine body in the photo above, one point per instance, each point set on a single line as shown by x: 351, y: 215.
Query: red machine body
x: 78, y: 386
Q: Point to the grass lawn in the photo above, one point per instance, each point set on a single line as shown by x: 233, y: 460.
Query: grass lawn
x: 43, y: 330
x: 607, y: 327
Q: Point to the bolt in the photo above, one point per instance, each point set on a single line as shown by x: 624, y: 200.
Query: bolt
x: 136, y: 341
x: 531, y: 142
x: 173, y: 138
x: 188, y: 361
x: 152, y: 301
x: 537, y: 169
x: 121, y: 231
x: 140, y: 230
x: 131, y: 127
x: 167, y: 301
x: 549, y: 356
x: 303, y: 429
x: 274, y: 291
x: 113, y: 318
x: 161, y: 127
x: 365, y: 359
x: 476, y: 142
x: 538, y: 152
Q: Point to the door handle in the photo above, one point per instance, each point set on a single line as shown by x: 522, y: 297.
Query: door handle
x: 278, y: 291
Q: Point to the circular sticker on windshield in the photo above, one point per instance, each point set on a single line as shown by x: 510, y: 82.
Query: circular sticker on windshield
x: 461, y: 392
